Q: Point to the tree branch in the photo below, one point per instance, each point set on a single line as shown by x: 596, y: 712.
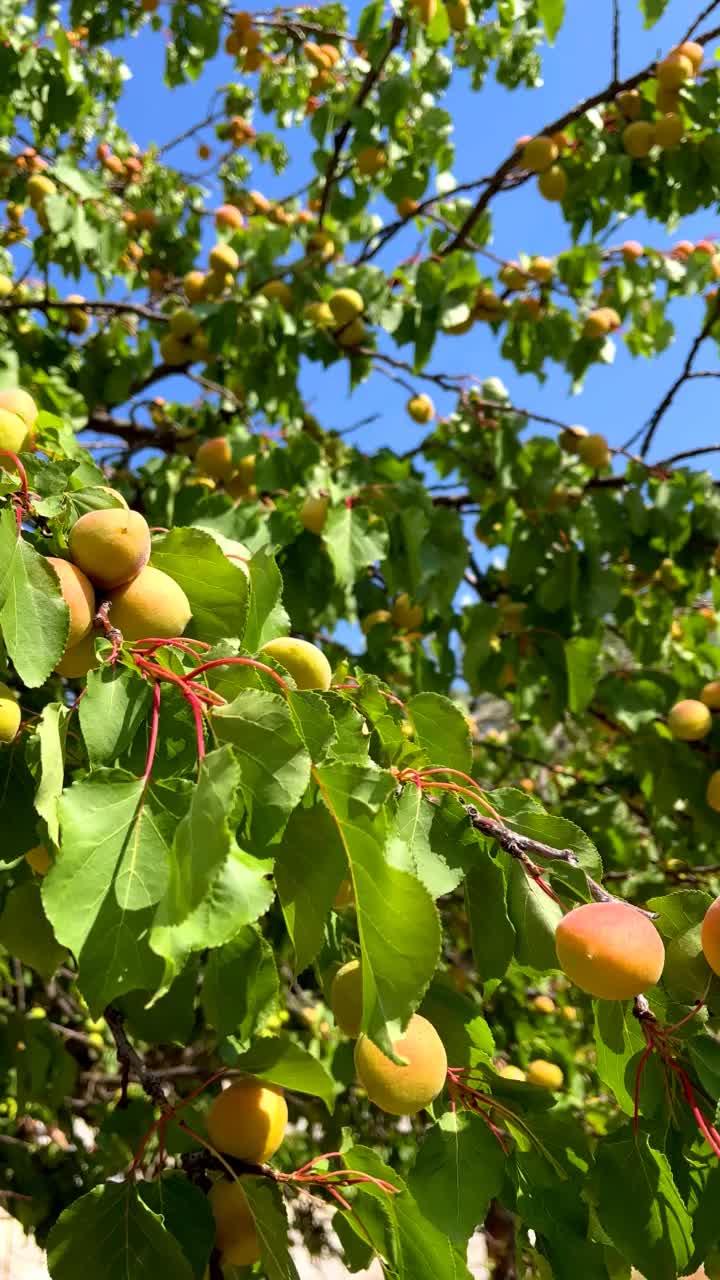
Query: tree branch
x: 113, y: 308
x: 682, y: 377
x: 371, y: 79
x: 616, y: 42
x: 131, y: 1063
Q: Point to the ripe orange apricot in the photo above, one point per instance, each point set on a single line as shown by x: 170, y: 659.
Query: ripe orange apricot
x: 689, y: 720
x: 405, y: 614
x: 712, y: 794
x: 307, y: 664
x: 546, y: 1074
x: 39, y: 859
x: 710, y: 695
x: 79, y: 596
x: 710, y: 936
x: 80, y: 659
x: 10, y: 714
x: 111, y: 545
x: 214, y: 458
x: 403, y: 1090
x: 248, y: 1120
x: 346, y: 998
x: 235, y: 1233
x: 153, y: 604
x: 609, y: 950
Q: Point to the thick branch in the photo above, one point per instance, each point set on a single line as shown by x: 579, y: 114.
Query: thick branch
x: 113, y: 308
x: 343, y: 132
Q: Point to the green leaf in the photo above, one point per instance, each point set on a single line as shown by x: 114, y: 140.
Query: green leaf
x: 266, y: 616
x: 274, y: 764
x: 390, y: 904
x: 268, y: 1210
x: 111, y: 1233
x: 354, y: 538
x: 34, y: 618
x: 82, y: 182
x: 113, y: 707
x: 409, y: 846
x: 442, y: 732
x: 492, y: 932
x: 459, y: 1168
x: 9, y: 550
x: 216, y: 587
x: 309, y: 868
x: 19, y: 818
x: 52, y: 734
x: 582, y: 655
x: 240, y: 987
x: 653, y: 10
x: 639, y: 1206
x: 283, y: 1062
x: 26, y: 932
x: 185, y: 1212
x: 551, y: 14
x: 313, y: 721
x: 535, y: 917
x: 619, y: 1043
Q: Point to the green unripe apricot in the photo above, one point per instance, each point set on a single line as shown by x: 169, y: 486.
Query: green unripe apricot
x: 111, y: 546
x: 307, y: 664
x: 346, y: 998
x: 10, y: 714
x: 313, y: 513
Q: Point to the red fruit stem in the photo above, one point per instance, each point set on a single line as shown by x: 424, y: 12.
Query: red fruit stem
x: 243, y: 662
x: 7, y: 453
x: 458, y: 790
x: 709, y: 1132
x: 638, y: 1080
x: 158, y: 642
x: 154, y: 726
x: 196, y: 709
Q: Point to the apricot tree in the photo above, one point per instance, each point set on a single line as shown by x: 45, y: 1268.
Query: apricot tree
x: 307, y: 739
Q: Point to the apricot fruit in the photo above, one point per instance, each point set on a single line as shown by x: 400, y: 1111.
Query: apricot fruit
x: 553, y: 183
x: 426, y: 10
x: 594, y: 451
x: 689, y: 720
x: 600, y: 322
x: 183, y: 323
x: 346, y: 305
x: 345, y: 896
x: 693, y: 51
x: 673, y: 71
x: 214, y: 458
x: 235, y: 1232
x: 638, y: 139
x: 710, y: 695
x: 406, y: 206
x: 669, y: 130
x: 403, y: 1090
x: 111, y: 545
x: 346, y: 998
x: 307, y: 664
x: 710, y: 936
x: 609, y: 950
x: 544, y: 1004
x: 241, y: 482
x: 79, y: 596
x: 712, y: 794
x: 629, y: 103
x: 21, y: 403
x: 511, y: 1072
x: 351, y: 335
x: 421, y: 408
x: 39, y: 859
x: 313, y: 513
x: 13, y: 432
x: 405, y: 614
x: 545, y: 1074
x: 76, y: 662
x: 248, y: 1120
x: 195, y: 286
x: 539, y: 154
x: 152, y: 604
x: 374, y: 619
x: 277, y: 291
x: 569, y: 439
x: 223, y: 258
x: 319, y: 314
x: 228, y: 215
x: 371, y: 160
x: 10, y: 714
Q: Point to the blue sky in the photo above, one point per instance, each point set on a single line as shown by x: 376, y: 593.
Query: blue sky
x: 614, y: 400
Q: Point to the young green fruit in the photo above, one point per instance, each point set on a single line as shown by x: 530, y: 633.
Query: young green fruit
x: 609, y: 950
x: 111, y: 545
x: 346, y: 998
x: 407, y: 1089
x: 689, y: 720
x: 152, y: 604
x: 76, y: 662
x: 248, y: 1120
x: 313, y: 513
x: 307, y: 664
x: 553, y: 183
x: 10, y: 714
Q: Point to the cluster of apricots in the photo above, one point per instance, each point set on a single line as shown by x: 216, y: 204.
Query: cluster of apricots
x: 404, y: 616
x: 690, y: 720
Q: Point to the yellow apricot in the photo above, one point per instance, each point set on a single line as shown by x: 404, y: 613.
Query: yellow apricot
x: 307, y: 664
x: 152, y: 604
x: 183, y: 322
x: 546, y: 1074
x: 693, y: 51
x: 313, y: 513
x: 421, y: 408
x: 111, y: 545
x: 569, y: 1012
x: 214, y: 458
x: 511, y: 1072
x: 76, y: 662
x: 403, y: 1090
x: 319, y: 314
x: 277, y: 291
x: 609, y: 950
x: 669, y: 130
x: 689, y: 720
x: 345, y: 305
x: 406, y: 206
x: 371, y: 160
x: 346, y: 998
x: 79, y: 596
x: 10, y: 714
x: 712, y: 794
x: 673, y: 71
x: 569, y: 439
x: 195, y: 286
x: 235, y: 1232
x: 13, y: 432
x: 553, y: 183
x: 351, y: 335
x: 710, y: 695
x: 405, y: 614
x: 600, y: 322
x: 544, y: 1004
x: 539, y: 154
x: 638, y: 138
x: 20, y: 402
x: 248, y: 1120
x: 223, y: 258
x: 594, y: 451
x: 374, y: 619
x: 39, y: 859
x: 426, y: 9
x: 629, y: 102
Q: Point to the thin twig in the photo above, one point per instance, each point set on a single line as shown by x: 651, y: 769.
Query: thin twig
x: 616, y: 42
x: 131, y: 1062
x: 655, y: 420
